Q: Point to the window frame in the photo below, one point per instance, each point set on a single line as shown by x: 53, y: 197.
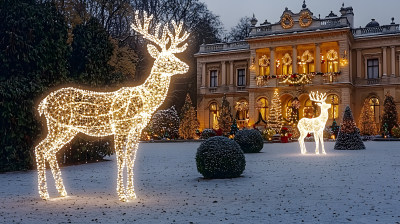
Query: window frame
x: 241, y: 76
x: 374, y: 68
x: 213, y: 78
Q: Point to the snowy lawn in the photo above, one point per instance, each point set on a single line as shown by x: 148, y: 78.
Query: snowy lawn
x: 278, y: 185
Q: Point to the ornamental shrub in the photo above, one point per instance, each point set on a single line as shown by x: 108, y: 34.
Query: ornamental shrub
x: 250, y: 141
x: 208, y: 133
x: 220, y: 157
x: 396, y: 132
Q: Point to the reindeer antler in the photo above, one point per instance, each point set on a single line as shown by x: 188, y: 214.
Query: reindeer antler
x: 314, y: 96
x: 144, y: 30
x: 166, y: 36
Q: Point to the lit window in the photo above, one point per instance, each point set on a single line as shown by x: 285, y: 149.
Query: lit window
x: 213, y: 119
x: 334, y: 110
x: 374, y: 104
x: 262, y: 105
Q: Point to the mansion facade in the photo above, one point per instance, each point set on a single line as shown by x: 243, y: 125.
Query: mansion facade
x: 299, y: 54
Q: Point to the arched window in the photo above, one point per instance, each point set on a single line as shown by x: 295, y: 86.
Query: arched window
x: 308, y: 110
x: 333, y: 112
x: 213, y: 116
x: 288, y: 110
x: 374, y: 104
x: 262, y: 106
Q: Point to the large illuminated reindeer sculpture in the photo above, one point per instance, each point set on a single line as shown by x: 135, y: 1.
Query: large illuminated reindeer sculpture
x: 314, y: 125
x: 123, y: 113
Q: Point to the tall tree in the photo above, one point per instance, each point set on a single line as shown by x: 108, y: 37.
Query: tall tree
x: 275, y: 113
x: 34, y: 56
x: 225, y: 116
x: 367, y: 123
x: 91, y: 52
x: 188, y: 122
x: 241, y: 30
x: 349, y: 135
x: 389, y: 118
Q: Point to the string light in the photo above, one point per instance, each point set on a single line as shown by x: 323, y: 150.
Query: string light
x: 297, y: 79
x: 314, y: 125
x: 123, y: 113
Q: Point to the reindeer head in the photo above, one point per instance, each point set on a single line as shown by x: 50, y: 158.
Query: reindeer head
x: 320, y: 99
x: 166, y: 63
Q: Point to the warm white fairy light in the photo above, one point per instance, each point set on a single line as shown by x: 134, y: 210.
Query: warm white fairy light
x: 123, y: 113
x: 314, y: 125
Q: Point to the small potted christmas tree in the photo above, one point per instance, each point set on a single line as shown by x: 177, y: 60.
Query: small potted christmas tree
x: 349, y: 135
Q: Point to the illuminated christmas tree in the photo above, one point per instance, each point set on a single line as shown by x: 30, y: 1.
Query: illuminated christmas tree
x: 349, y: 135
x: 389, y: 114
x: 234, y: 127
x: 367, y: 123
x: 189, y: 123
x: 225, y: 116
x: 275, y: 113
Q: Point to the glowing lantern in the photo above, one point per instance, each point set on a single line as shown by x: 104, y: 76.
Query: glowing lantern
x: 123, y: 113
x: 314, y: 125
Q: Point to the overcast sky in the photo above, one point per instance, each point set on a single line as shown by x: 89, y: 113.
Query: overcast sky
x: 230, y: 11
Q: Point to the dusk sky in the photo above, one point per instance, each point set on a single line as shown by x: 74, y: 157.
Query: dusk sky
x: 230, y: 11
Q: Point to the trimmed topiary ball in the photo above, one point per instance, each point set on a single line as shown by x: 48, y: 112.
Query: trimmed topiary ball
x: 220, y: 157
x: 250, y: 141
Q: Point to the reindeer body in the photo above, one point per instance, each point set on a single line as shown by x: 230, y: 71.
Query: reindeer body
x: 123, y: 113
x: 314, y: 125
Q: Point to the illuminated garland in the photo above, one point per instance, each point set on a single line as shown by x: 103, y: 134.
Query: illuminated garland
x: 287, y: 21
x: 123, y: 113
x: 264, y: 61
x: 305, y: 16
x: 297, y: 79
x: 314, y: 125
x: 287, y: 60
x: 307, y: 57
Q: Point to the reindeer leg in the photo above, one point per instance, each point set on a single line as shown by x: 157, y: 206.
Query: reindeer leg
x: 120, y: 144
x: 64, y: 137
x: 302, y: 144
x: 41, y: 166
x: 317, y: 136
x: 322, y: 145
x: 133, y: 145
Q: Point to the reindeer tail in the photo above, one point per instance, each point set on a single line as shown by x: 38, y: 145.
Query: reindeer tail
x: 42, y: 106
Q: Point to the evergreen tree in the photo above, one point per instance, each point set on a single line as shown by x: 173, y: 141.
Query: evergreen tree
x: 389, y: 113
x: 225, y: 116
x: 33, y: 58
x: 349, y: 135
x: 91, y: 54
x: 275, y: 113
x: 367, y: 124
x: 189, y: 123
x: 234, y: 128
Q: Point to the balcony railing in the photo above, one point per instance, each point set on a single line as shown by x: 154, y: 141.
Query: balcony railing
x: 386, y: 80
x: 207, y: 48
x: 366, y: 31
x: 311, y: 79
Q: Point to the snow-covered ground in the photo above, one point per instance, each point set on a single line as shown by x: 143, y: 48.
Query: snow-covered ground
x: 278, y: 186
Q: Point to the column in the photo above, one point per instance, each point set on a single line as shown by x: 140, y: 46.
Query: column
x: 393, y: 60
x: 317, y: 58
x: 399, y: 64
x: 203, y: 75
x: 345, y: 76
x: 223, y: 73
x: 272, y: 58
x: 252, y: 73
x: 294, y: 59
x: 252, y: 109
x: 384, y: 68
x: 231, y: 73
x: 359, y: 63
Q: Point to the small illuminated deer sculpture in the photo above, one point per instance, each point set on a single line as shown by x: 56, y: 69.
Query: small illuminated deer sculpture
x: 314, y: 125
x: 123, y: 113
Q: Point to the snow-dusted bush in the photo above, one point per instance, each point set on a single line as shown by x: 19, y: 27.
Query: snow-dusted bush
x: 220, y: 157
x: 250, y: 141
x: 208, y: 133
x: 165, y: 124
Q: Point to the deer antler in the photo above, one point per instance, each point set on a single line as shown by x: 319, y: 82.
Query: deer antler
x: 314, y: 96
x: 166, y: 33
x: 176, y: 40
x: 144, y: 30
